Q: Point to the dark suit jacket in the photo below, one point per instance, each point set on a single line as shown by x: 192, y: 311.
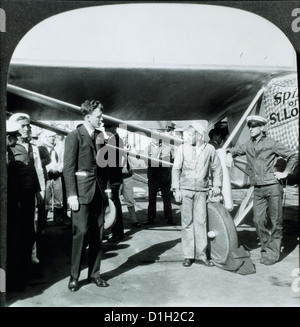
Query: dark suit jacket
x: 80, y: 156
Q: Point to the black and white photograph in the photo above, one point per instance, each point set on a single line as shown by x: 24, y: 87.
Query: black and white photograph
x: 149, y: 156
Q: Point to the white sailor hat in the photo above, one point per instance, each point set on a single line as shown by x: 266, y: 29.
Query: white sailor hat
x: 12, y: 127
x: 256, y: 119
x: 198, y: 127
x: 19, y: 116
x: 110, y: 215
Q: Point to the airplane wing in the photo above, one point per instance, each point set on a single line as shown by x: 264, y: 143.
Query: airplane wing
x: 182, y: 93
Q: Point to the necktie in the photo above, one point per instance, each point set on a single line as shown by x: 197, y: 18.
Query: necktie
x: 93, y: 137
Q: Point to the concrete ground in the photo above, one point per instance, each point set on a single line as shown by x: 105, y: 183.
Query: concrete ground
x: 145, y: 270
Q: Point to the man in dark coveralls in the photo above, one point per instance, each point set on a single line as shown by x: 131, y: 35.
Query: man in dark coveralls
x: 85, y: 186
x: 262, y: 153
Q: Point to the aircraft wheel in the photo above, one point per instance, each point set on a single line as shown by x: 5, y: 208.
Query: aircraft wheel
x: 222, y: 235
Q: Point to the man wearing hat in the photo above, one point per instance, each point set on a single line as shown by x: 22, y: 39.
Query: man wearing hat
x: 28, y: 190
x: 170, y: 126
x: 53, y: 168
x: 12, y: 133
x: 193, y: 161
x: 262, y: 153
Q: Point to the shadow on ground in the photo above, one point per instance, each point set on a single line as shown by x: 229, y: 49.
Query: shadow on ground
x: 54, y: 253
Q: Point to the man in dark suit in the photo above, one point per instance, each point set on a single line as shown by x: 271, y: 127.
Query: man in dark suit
x: 85, y: 186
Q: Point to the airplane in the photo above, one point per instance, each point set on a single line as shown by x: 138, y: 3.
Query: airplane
x: 205, y: 93
x: 226, y: 94
x: 219, y: 94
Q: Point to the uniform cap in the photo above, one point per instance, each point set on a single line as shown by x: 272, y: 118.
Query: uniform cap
x: 256, y: 119
x: 12, y: 127
x: 170, y: 125
x: 19, y: 116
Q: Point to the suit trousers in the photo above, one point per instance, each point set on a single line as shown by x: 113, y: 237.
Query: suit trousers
x: 268, y: 197
x: 87, y: 228
x: 194, y: 224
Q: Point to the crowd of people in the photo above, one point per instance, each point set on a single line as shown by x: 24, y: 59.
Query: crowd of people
x: 43, y: 177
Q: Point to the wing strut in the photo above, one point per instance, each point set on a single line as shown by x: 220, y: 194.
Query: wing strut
x: 67, y: 107
x: 64, y: 106
x: 247, y: 202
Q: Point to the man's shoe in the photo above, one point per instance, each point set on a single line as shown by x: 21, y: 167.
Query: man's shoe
x: 187, y: 262
x: 136, y: 224
x: 205, y: 262
x: 269, y: 262
x: 73, y: 284
x: 98, y: 281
